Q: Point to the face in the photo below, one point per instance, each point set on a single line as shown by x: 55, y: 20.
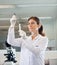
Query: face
x: 32, y: 25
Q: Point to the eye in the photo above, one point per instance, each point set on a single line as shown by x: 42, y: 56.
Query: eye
x: 33, y: 23
x: 28, y: 23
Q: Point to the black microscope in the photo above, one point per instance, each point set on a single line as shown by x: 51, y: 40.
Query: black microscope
x: 10, y: 55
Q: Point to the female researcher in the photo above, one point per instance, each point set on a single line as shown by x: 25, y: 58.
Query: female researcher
x: 33, y: 48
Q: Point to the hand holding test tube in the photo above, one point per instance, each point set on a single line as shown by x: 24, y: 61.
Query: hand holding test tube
x: 21, y: 32
x: 13, y: 20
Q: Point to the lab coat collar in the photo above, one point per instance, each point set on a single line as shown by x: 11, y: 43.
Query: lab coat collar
x: 37, y: 37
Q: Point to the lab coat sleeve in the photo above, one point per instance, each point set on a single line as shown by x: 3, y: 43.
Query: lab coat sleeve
x: 11, y: 38
x: 38, y: 47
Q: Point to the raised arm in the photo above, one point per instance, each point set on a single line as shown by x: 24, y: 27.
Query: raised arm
x: 11, y: 35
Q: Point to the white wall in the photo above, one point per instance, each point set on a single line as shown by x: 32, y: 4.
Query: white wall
x: 56, y: 32
x: 51, y: 32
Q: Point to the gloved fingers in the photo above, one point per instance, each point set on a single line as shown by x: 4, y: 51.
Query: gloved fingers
x: 13, y: 20
x: 22, y: 33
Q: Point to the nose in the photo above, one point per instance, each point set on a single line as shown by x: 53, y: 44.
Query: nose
x: 30, y: 25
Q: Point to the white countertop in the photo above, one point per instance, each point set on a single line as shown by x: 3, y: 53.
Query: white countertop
x: 48, y: 55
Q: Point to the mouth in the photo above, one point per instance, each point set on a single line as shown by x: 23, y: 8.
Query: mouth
x: 30, y: 28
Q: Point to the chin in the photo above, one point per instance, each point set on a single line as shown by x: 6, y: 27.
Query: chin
x: 31, y: 31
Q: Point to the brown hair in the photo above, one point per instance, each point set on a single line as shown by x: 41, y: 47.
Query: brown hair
x: 40, y: 30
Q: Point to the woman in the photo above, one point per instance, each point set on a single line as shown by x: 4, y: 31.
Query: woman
x: 33, y: 48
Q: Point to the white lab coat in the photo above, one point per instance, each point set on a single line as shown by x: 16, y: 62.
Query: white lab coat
x: 32, y: 51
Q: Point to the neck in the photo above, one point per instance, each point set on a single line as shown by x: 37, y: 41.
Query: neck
x: 34, y: 34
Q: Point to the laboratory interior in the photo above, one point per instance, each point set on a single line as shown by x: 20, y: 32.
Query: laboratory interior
x: 46, y: 10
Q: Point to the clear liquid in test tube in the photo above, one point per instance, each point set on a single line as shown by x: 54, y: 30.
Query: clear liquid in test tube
x: 19, y: 26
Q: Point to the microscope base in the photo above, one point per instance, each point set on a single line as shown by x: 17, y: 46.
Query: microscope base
x: 9, y: 63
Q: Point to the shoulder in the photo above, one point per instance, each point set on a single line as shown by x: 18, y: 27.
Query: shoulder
x: 44, y: 38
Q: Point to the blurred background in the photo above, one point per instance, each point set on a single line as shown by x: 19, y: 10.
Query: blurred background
x: 46, y: 10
